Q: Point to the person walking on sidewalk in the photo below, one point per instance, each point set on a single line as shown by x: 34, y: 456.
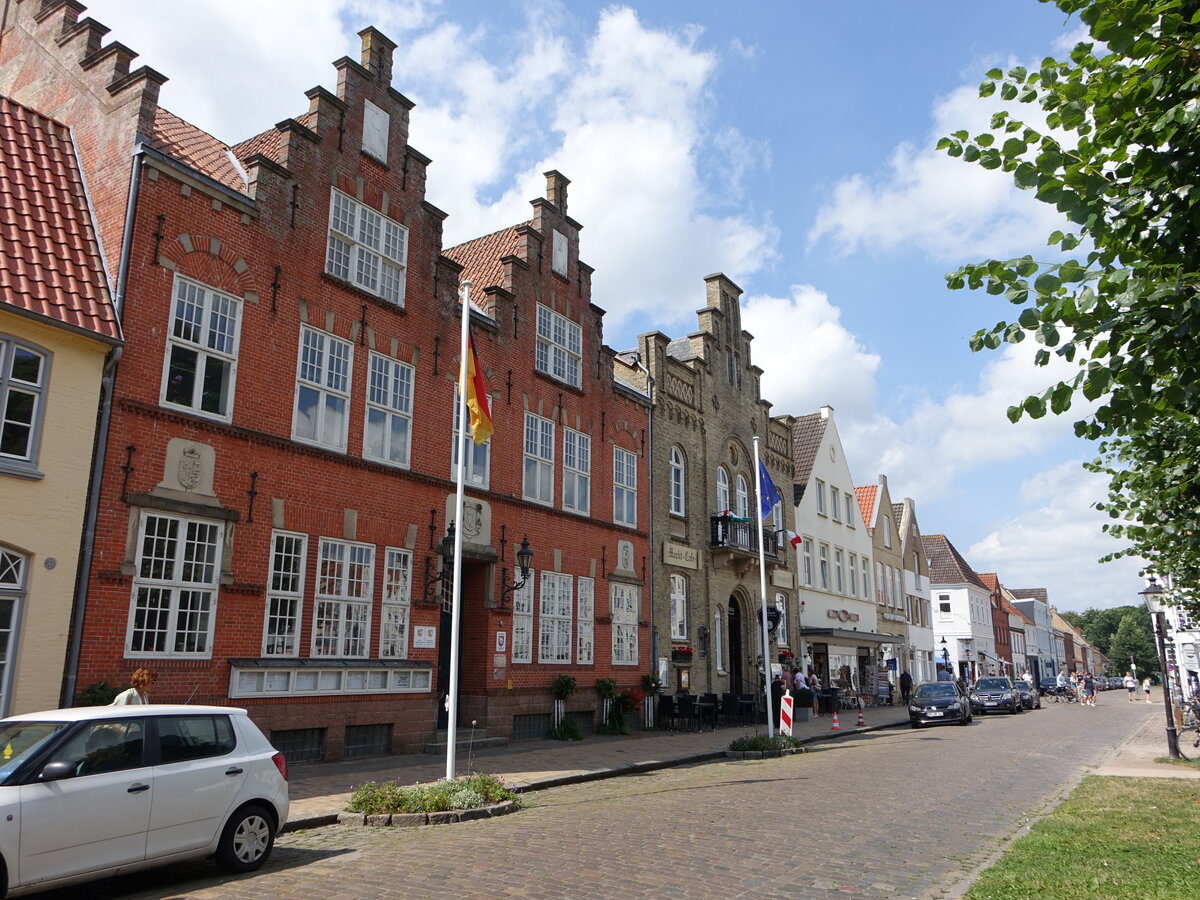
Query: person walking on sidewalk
x: 1131, y: 686
x: 1146, y: 688
x: 1089, y: 689
x: 905, y: 687
x: 1060, y: 685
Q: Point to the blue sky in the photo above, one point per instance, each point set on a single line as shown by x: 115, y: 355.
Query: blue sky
x: 788, y: 144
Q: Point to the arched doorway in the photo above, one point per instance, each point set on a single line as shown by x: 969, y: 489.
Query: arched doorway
x: 736, y: 654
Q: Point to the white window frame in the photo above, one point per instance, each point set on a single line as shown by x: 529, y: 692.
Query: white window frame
x: 185, y: 571
x: 946, y: 614
x: 585, y: 629
x: 376, y: 124
x: 366, y: 248
x: 24, y: 415
x: 212, y: 332
x: 389, y: 410
x: 624, y: 487
x: 823, y: 565
x: 849, y: 510
x: 14, y: 567
x: 807, y: 545
x: 342, y: 600
x: 866, y: 578
x: 559, y: 347
x: 743, y: 497
x: 718, y: 642
x: 676, y: 482
x: 555, y: 619
x: 839, y: 576
x: 880, y: 585
x: 820, y: 497
x: 624, y: 605
x: 679, y: 616
x: 314, y: 681
x: 722, y: 491
x: 577, y: 471
x: 537, y: 483
x: 887, y: 531
x: 324, y: 369
x: 522, y: 618
x: 479, y: 456
x: 835, y: 504
x: 852, y: 571
x: 284, y: 609
x: 395, y: 606
x: 781, y: 630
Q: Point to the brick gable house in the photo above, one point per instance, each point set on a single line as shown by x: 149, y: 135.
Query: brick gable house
x: 280, y: 467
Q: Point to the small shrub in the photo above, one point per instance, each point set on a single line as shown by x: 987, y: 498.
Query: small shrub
x: 98, y: 693
x: 469, y: 792
x: 563, y: 687
x: 606, y: 688
x: 566, y: 730
x: 651, y: 683
x: 763, y: 742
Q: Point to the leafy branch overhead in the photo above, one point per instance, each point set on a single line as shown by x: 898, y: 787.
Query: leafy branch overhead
x: 1117, y: 156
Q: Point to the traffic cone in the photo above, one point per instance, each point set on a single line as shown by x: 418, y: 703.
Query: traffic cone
x: 861, y: 721
x: 835, y: 726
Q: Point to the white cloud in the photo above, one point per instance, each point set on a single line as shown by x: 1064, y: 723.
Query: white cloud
x: 925, y: 199
x: 808, y: 357
x: 1056, y: 544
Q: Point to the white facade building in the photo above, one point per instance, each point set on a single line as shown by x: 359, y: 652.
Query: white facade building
x: 962, y: 610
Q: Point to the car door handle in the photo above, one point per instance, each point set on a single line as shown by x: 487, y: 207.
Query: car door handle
x: 234, y: 770
x: 138, y: 788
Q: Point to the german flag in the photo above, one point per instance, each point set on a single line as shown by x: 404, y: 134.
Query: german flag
x: 477, y: 397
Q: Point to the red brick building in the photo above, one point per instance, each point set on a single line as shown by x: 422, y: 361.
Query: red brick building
x: 281, y: 458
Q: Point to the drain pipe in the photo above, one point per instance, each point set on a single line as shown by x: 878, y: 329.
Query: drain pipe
x: 104, y: 419
x: 650, y: 514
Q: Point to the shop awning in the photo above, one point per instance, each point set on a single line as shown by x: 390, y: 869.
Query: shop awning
x: 849, y: 636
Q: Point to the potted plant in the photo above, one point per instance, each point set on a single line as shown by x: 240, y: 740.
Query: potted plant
x: 802, y: 703
x: 786, y: 657
x: 681, y: 653
x: 562, y: 688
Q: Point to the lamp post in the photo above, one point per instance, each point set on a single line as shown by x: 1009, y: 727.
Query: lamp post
x: 1152, y: 596
x: 524, y: 558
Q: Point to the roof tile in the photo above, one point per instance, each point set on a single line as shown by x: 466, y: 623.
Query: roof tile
x: 946, y: 565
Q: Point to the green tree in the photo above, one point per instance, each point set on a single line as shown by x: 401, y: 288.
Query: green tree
x: 1099, y: 625
x: 1115, y: 148
x: 1133, y: 638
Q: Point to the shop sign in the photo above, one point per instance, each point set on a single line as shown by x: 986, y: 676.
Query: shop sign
x: 891, y: 617
x: 424, y: 637
x: 679, y: 555
x: 781, y: 578
x: 843, y: 615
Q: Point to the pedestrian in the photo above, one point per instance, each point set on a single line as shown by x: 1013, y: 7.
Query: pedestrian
x: 140, y: 683
x: 1130, y: 686
x: 1089, y: 689
x: 1028, y: 677
x: 814, y: 685
x: 799, y: 682
x: 787, y: 678
x: 905, y: 687
x: 1060, y: 684
x: 1146, y: 688
x: 944, y: 674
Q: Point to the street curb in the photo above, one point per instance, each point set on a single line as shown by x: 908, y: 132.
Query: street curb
x: 652, y: 765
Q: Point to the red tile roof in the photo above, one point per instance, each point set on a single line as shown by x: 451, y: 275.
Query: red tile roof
x: 866, y: 502
x: 50, y: 262
x: 480, y: 259
x: 268, y: 143
x: 195, y: 148
x: 990, y: 579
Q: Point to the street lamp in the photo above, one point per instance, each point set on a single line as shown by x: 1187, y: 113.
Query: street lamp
x: 1152, y: 596
x: 447, y: 551
x: 524, y: 558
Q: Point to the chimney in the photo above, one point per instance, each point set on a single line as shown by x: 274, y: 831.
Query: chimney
x: 826, y: 411
x: 377, y: 53
x: 556, y: 189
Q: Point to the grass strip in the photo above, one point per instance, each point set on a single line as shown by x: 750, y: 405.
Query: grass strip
x: 1112, y: 838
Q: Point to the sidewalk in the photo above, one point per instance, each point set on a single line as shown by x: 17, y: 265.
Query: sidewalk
x: 1135, y: 758
x: 319, y: 791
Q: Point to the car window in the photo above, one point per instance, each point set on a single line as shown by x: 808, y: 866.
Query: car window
x: 107, y: 746
x: 20, y: 741
x: 182, y: 738
x: 928, y: 691
x: 992, y: 684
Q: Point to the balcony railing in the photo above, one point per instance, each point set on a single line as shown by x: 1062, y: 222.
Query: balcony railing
x: 730, y: 533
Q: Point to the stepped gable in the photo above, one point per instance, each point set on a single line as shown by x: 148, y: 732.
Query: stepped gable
x: 866, y: 503
x: 50, y: 262
x: 482, y: 259
x: 946, y: 565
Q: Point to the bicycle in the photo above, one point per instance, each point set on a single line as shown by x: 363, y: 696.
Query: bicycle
x: 1191, y: 726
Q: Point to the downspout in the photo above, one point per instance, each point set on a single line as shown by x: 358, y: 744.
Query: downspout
x: 107, y: 383
x: 650, y: 598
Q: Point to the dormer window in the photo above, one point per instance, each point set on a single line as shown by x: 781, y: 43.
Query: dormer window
x: 366, y: 248
x: 375, y: 131
x: 558, y: 259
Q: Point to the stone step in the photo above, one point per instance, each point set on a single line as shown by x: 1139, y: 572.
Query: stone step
x: 464, y: 741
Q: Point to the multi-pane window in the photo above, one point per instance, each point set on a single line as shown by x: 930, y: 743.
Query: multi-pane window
x: 586, y: 627
x: 202, y: 345
x: 743, y: 497
x: 823, y: 552
x: 852, y: 570
x: 554, y: 621
x: 887, y: 531
x: 387, y: 429
x: 342, y: 619
x: 887, y: 587
x: 365, y: 248
x: 624, y: 607
x: 821, y: 498
x: 944, y: 607
x: 722, y: 491
x: 22, y: 386
x: 849, y: 511
x: 839, y: 571
x: 397, y: 597
x: 577, y: 471
x: 835, y: 504
x: 13, y: 567
x: 679, y: 630
x: 718, y: 644
x: 285, y: 596
x: 478, y: 455
x: 624, y: 487
x: 866, y: 578
x: 676, y: 475
x: 781, y: 630
x: 522, y: 616
x: 322, y: 389
x: 559, y: 343
x: 880, y: 585
x: 175, y: 589
x: 808, y: 561
x: 539, y: 459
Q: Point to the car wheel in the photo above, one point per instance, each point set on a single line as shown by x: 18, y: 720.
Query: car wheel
x: 247, y: 839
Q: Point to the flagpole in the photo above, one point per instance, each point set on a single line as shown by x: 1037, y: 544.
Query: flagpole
x: 456, y: 589
x: 762, y: 585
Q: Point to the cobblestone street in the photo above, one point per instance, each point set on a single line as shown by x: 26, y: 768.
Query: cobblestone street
x: 896, y: 813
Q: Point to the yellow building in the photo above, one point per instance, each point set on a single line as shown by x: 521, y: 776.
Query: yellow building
x: 58, y: 331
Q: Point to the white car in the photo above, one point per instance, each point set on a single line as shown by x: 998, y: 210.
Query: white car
x: 96, y: 791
